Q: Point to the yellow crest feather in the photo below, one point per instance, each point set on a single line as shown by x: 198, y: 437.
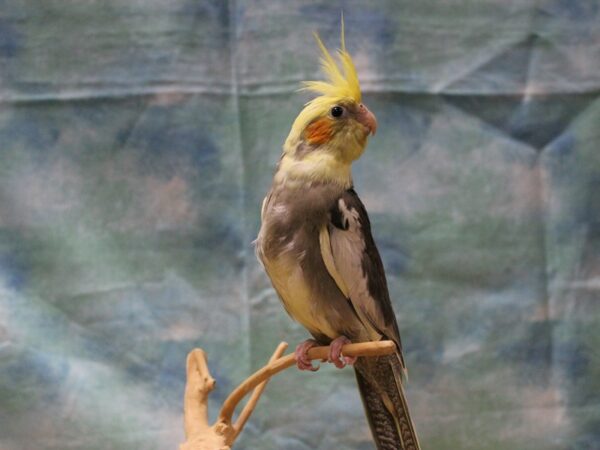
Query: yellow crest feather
x: 342, y: 83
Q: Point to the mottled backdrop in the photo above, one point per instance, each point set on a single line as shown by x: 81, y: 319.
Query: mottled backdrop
x: 137, y: 139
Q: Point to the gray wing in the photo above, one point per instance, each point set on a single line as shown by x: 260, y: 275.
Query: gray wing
x: 356, y: 262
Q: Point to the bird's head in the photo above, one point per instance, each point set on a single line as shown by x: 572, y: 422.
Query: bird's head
x: 332, y: 130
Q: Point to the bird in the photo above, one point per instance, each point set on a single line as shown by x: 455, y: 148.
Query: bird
x: 316, y: 246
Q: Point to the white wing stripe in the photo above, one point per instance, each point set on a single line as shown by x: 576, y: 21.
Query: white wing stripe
x: 327, y: 256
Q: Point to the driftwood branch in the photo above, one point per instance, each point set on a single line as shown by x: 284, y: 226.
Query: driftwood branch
x: 253, y: 401
x: 222, y: 434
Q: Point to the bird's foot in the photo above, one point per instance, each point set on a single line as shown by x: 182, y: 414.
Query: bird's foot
x: 335, y: 352
x: 303, y: 362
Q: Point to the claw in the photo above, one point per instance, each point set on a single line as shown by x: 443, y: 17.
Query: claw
x: 335, y: 352
x: 303, y: 362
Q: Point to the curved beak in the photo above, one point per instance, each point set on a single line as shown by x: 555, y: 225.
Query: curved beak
x: 367, y: 118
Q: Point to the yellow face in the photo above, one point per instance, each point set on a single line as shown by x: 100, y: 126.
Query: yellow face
x: 343, y: 129
x: 325, y: 148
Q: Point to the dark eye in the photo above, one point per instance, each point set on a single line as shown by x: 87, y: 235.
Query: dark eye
x: 337, y: 111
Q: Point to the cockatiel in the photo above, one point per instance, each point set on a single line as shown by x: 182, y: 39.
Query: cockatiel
x: 316, y: 246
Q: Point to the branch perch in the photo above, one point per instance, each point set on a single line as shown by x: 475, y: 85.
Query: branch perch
x: 222, y: 434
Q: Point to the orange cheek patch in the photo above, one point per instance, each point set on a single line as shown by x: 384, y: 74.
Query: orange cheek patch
x: 319, y: 132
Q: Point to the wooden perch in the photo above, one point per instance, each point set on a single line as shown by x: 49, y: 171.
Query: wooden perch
x: 222, y: 434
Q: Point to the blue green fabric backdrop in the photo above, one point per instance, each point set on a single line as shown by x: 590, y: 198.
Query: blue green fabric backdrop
x: 138, y: 138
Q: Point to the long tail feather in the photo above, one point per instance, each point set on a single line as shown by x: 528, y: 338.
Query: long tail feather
x: 380, y: 384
